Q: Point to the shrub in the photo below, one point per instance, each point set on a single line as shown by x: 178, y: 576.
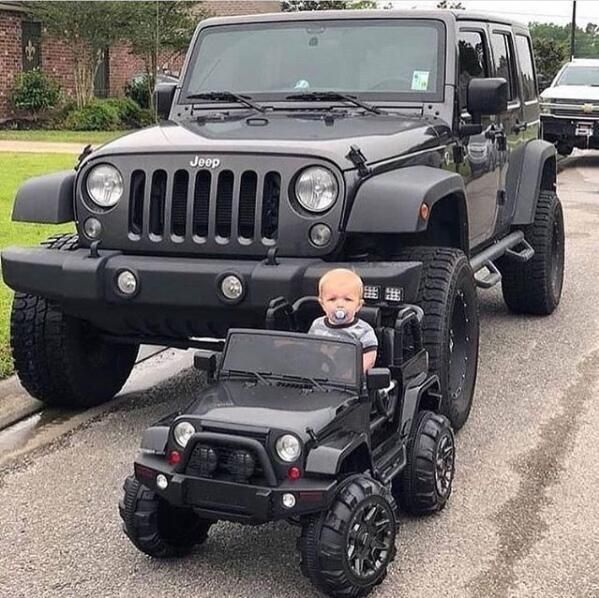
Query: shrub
x: 99, y: 115
x: 34, y: 92
x: 146, y: 118
x: 128, y: 111
x: 139, y: 91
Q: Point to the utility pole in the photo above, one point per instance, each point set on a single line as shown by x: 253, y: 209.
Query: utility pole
x: 573, y: 32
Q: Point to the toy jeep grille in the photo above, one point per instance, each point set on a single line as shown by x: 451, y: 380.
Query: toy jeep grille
x: 203, y: 205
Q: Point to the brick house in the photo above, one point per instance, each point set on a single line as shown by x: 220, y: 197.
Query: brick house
x: 25, y: 44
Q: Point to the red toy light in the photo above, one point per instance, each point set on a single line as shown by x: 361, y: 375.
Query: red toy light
x: 294, y: 473
x: 174, y: 457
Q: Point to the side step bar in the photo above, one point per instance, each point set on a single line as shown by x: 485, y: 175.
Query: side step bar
x: 514, y: 246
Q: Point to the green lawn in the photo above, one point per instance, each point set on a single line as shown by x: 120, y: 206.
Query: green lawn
x: 14, y: 169
x: 61, y: 136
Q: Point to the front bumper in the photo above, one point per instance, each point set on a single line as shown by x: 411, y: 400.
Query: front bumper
x: 565, y: 128
x: 231, y: 501
x: 178, y: 296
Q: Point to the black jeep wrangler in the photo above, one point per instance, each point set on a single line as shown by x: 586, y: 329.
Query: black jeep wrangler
x: 402, y: 144
x: 293, y: 430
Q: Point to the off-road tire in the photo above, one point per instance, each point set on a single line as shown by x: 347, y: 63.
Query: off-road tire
x: 157, y: 528
x: 59, y: 359
x: 424, y: 485
x: 325, y: 538
x: 535, y: 286
x: 447, y: 290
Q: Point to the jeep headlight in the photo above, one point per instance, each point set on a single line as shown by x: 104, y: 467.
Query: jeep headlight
x: 288, y: 447
x: 183, y: 432
x: 105, y: 185
x: 316, y: 189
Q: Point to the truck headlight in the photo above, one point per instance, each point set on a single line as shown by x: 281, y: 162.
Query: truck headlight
x: 183, y: 432
x: 288, y: 447
x: 105, y: 185
x: 316, y: 189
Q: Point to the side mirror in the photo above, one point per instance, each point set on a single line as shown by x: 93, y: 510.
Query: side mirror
x: 486, y: 96
x: 377, y: 378
x: 206, y: 361
x: 163, y: 98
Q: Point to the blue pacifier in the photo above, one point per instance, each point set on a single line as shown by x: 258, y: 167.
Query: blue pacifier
x: 340, y: 316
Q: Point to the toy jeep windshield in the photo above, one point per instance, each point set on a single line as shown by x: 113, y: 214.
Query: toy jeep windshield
x: 402, y: 144
x: 292, y: 429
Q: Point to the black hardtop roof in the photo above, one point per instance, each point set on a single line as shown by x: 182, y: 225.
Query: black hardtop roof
x: 444, y: 15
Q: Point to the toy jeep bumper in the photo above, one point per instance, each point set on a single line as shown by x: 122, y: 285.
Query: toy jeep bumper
x: 178, y: 289
x: 234, y: 501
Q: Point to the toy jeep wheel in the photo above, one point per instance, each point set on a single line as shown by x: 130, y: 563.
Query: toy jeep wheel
x: 535, y: 286
x: 157, y: 528
x: 62, y: 360
x: 450, y: 328
x: 346, y: 550
x: 424, y: 485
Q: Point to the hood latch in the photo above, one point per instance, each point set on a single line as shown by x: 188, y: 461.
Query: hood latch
x: 359, y: 159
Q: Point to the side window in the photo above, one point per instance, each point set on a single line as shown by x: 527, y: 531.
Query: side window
x: 529, y: 89
x: 504, y: 62
x: 472, y: 61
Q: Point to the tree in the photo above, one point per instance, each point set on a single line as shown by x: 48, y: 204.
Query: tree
x: 156, y: 27
x: 299, y: 5
x: 450, y: 5
x: 549, y: 57
x: 87, y: 29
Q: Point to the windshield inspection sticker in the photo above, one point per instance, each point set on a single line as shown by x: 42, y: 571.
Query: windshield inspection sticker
x: 420, y: 80
x: 302, y: 84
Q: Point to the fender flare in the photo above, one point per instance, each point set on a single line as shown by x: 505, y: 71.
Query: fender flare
x: 527, y: 184
x: 327, y: 458
x: 49, y: 199
x: 390, y: 202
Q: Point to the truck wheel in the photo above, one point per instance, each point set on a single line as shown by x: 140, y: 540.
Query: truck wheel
x: 157, y: 528
x: 450, y: 328
x: 346, y: 550
x: 424, y: 485
x: 535, y: 286
x: 62, y: 360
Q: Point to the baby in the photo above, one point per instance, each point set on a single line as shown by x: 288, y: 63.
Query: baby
x: 340, y: 295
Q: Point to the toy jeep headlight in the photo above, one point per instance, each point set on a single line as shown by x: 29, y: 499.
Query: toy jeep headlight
x: 105, y: 185
x: 316, y: 189
x: 288, y: 447
x: 183, y: 432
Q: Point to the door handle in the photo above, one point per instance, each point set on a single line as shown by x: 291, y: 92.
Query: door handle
x: 519, y: 127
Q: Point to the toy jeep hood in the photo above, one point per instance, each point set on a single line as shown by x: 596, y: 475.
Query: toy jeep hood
x: 315, y: 133
x: 275, y: 406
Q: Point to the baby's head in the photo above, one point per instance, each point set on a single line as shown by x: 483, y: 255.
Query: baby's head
x: 340, y: 295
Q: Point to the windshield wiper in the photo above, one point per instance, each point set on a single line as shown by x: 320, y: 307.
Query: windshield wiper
x: 316, y: 382
x: 259, y: 376
x: 317, y: 96
x: 227, y: 96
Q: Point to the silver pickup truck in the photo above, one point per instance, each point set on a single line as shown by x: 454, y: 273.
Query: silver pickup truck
x: 570, y: 107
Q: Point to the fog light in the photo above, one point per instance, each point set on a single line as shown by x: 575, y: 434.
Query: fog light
x: 394, y: 294
x: 92, y: 228
x: 231, y: 287
x: 127, y: 282
x: 372, y: 292
x: 288, y: 500
x: 161, y: 481
x: 320, y: 235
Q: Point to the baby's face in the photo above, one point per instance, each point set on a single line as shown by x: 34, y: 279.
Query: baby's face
x: 339, y: 295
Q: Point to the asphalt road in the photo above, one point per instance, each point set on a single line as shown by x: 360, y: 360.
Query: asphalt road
x: 522, y: 521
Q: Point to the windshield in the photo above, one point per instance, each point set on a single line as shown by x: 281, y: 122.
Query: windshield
x: 305, y: 357
x: 380, y: 58
x: 580, y: 75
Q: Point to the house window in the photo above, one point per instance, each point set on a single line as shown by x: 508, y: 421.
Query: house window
x: 31, y: 42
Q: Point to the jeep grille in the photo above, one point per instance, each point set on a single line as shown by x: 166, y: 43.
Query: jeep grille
x: 217, y: 205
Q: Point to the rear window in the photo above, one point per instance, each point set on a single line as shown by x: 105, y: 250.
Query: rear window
x: 529, y: 88
x: 504, y: 62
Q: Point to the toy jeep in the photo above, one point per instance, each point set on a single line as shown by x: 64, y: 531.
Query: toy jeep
x: 402, y: 144
x: 293, y: 430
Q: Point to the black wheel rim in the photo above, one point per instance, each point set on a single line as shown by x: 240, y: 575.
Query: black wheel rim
x: 444, y: 465
x: 369, y: 540
x: 459, y: 339
x: 557, y: 256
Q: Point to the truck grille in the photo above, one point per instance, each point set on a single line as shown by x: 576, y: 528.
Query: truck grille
x: 204, y: 205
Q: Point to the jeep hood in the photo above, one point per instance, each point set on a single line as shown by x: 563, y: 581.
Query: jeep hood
x: 571, y: 92
x: 278, y: 407
x: 310, y: 134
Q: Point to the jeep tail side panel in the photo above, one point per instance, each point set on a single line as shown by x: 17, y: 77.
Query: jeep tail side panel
x: 47, y: 199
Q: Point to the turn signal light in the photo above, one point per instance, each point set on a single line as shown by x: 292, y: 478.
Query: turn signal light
x: 294, y: 473
x: 174, y: 457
